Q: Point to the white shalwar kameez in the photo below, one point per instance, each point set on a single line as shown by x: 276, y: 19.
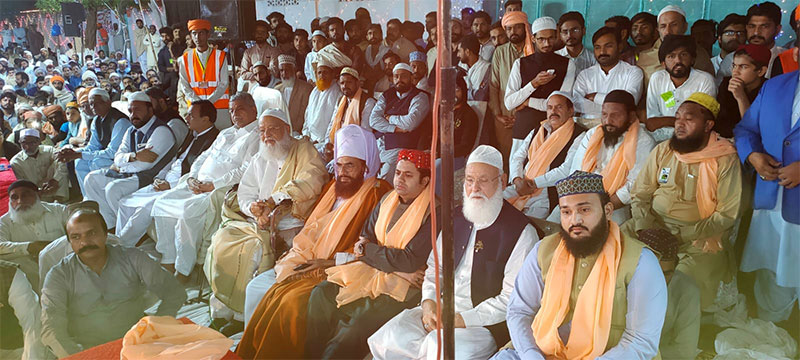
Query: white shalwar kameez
x: 404, y: 337
x: 182, y: 217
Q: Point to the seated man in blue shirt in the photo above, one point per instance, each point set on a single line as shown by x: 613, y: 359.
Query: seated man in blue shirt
x: 589, y: 291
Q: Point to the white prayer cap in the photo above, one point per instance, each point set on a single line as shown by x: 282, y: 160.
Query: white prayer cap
x: 319, y: 33
x: 277, y: 113
x: 88, y: 74
x: 29, y: 132
x: 260, y: 63
x: 114, y: 74
x: 47, y: 88
x: 354, y: 141
x: 99, y: 92
x: 671, y: 8
x: 350, y: 71
x: 138, y: 96
x: 562, y: 93
x: 402, y: 66
x: 8, y: 87
x: 286, y: 59
x: 543, y: 23
x: 48, y: 62
x: 488, y: 155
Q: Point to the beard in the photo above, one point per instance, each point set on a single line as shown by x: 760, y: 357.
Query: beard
x: 588, y: 245
x: 515, y: 39
x: 277, y: 151
x: 680, y: 73
x: 479, y: 209
x: 348, y: 189
x: 611, y: 137
x: 729, y: 46
x: 28, y: 216
x: 691, y: 143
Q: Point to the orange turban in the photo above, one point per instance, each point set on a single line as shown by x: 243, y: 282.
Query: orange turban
x: 199, y: 24
x: 56, y: 78
x: 519, y: 17
x: 52, y: 109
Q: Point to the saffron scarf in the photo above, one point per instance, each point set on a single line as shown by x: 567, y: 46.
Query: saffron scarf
x: 359, y: 280
x: 591, y: 319
x: 541, y: 154
x: 707, y: 179
x: 323, y: 230
x: 346, y: 114
x: 615, y: 173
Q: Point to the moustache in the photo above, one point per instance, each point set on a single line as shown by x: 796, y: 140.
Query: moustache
x: 578, y: 227
x: 756, y: 37
x: 87, y: 248
x: 603, y: 57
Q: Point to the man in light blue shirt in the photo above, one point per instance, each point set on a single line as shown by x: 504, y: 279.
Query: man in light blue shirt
x: 576, y: 268
x: 108, y: 128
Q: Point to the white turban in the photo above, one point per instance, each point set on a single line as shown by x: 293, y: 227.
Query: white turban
x: 89, y: 74
x: 137, y: 96
x: 562, y: 93
x: 671, y: 8
x: 354, y: 141
x: 100, y: 92
x: 29, y: 132
x: 402, y: 66
x: 277, y: 113
x: 543, y: 23
x: 488, y: 155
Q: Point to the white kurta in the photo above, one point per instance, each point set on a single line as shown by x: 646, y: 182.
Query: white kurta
x: 537, y: 206
x: 25, y: 303
x: 369, y: 104
x: 403, y: 337
x: 623, y: 76
x: 577, y: 152
x: 133, y: 214
x: 663, y: 98
x: 181, y: 217
x: 321, y: 107
x: 257, y: 184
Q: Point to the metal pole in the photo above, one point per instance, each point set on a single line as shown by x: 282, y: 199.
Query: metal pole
x: 447, y: 74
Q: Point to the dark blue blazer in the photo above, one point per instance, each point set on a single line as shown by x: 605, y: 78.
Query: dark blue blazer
x: 766, y: 128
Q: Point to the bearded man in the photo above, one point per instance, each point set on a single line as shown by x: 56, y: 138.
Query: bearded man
x: 322, y: 102
x: 692, y: 187
x: 280, y: 186
x: 359, y: 297
x: 355, y: 107
x: 28, y: 227
x: 38, y: 164
x: 588, y: 291
x: 62, y: 96
x: 616, y: 149
x: 327, y: 239
x: 491, y: 241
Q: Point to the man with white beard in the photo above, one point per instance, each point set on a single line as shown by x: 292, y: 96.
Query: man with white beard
x: 28, y: 227
x: 281, y: 184
x: 189, y: 213
x: 491, y: 241
x: 295, y: 93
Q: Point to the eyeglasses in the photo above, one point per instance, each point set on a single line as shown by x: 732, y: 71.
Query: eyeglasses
x: 470, y: 181
x: 733, y: 33
x: 573, y: 30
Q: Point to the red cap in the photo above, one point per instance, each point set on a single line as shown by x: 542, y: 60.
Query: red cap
x: 759, y: 53
x: 421, y: 159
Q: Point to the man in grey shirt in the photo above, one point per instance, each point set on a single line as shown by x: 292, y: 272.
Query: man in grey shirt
x: 96, y: 294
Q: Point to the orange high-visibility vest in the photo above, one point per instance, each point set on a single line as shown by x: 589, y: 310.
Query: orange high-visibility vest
x: 204, y: 82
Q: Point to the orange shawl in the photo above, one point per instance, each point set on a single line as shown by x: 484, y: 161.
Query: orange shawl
x: 358, y: 279
x: 707, y: 180
x: 323, y: 230
x: 591, y: 319
x: 615, y: 173
x: 346, y: 114
x: 541, y: 154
